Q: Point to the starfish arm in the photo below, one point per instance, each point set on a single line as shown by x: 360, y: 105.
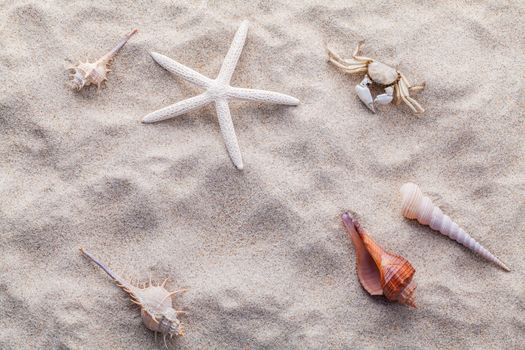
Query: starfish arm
x: 181, y: 70
x: 228, y: 132
x: 232, y: 57
x: 262, y: 96
x: 177, y: 109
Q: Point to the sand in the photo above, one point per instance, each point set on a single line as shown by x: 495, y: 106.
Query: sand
x: 262, y: 251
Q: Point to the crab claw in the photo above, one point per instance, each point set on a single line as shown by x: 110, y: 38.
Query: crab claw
x: 385, y: 98
x: 364, y: 93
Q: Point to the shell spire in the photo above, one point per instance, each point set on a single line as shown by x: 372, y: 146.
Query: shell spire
x: 86, y: 73
x: 113, y: 52
x: 121, y: 282
x: 417, y: 206
x: 379, y: 271
x: 155, y: 302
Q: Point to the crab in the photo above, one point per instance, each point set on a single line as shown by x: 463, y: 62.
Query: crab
x: 396, y: 85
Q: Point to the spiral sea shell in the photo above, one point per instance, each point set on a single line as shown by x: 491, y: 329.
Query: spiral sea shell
x: 417, y: 206
x: 155, y: 302
x: 380, y: 272
x: 87, y: 73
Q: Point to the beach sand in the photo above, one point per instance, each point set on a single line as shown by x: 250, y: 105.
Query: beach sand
x: 262, y: 251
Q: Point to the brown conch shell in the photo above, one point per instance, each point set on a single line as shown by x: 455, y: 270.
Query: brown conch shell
x: 86, y: 73
x: 155, y: 302
x: 380, y: 272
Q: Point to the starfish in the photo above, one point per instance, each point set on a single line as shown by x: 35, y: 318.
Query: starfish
x: 217, y: 91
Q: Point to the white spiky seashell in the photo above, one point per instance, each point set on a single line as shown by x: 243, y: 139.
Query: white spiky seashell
x: 87, y: 73
x: 155, y: 302
x: 417, y: 206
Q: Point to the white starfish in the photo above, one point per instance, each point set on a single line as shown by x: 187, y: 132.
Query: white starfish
x: 218, y: 91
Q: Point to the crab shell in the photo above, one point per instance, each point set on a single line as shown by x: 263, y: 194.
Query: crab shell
x: 382, y: 74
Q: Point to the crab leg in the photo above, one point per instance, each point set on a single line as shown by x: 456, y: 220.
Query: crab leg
x: 397, y: 91
x: 348, y: 66
x: 358, y: 69
x: 334, y: 56
x: 413, y: 104
x: 409, y: 104
x: 417, y: 106
x: 344, y: 60
x: 414, y: 88
x: 360, y: 58
x: 358, y: 47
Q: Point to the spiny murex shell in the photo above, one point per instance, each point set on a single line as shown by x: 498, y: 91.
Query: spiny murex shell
x: 417, y: 206
x: 155, y: 302
x: 86, y: 73
x: 380, y: 272
x: 381, y: 73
